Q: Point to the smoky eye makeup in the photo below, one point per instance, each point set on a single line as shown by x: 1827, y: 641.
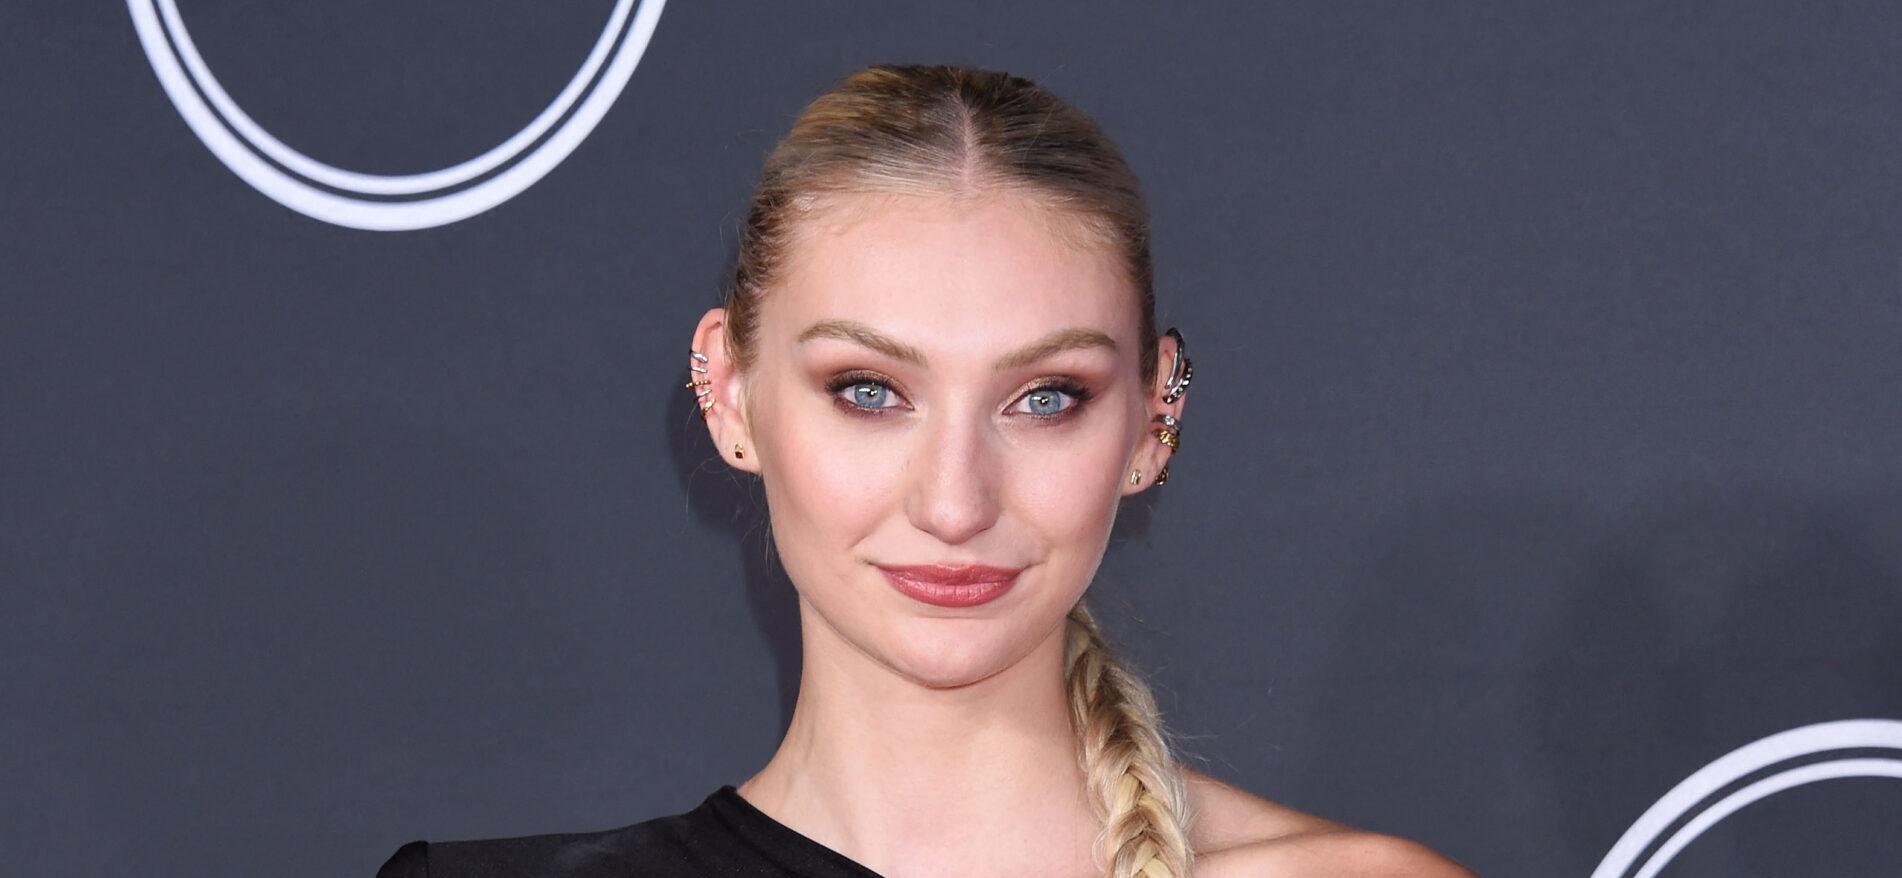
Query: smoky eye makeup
x: 1040, y: 394
x: 871, y: 393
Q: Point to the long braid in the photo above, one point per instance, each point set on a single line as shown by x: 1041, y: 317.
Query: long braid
x: 1134, y: 783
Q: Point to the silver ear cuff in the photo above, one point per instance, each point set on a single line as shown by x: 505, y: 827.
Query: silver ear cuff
x: 704, y: 397
x: 1180, y: 370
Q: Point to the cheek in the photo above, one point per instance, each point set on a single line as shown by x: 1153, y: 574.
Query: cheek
x: 821, y: 480
x: 1068, y: 489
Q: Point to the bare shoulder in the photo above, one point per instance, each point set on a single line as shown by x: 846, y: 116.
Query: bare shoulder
x: 1237, y: 834
x: 1338, y: 854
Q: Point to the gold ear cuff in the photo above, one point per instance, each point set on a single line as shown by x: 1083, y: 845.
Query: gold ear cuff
x: 1170, y: 434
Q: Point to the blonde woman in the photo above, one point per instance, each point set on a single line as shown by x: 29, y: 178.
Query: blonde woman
x: 939, y: 355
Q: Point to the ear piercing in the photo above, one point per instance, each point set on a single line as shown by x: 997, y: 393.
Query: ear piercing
x: 1180, y: 370
x: 704, y: 396
x: 1170, y: 434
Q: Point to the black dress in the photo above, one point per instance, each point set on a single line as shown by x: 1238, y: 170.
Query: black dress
x: 724, y: 836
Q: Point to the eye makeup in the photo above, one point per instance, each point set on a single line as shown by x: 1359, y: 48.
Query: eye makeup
x: 854, y: 378
x: 1075, y: 389
x: 1065, y: 385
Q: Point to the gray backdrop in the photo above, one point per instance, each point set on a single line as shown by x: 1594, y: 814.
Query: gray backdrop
x: 1545, y: 444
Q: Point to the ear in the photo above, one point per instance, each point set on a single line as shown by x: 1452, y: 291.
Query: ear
x: 725, y: 390
x: 1151, y: 455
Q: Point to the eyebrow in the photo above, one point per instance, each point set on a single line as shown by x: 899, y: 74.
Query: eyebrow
x: 1050, y: 345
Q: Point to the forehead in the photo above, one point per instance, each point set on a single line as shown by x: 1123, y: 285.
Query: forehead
x: 976, y: 273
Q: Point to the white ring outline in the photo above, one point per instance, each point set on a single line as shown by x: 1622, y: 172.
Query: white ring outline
x: 179, y: 71
x: 1745, y: 760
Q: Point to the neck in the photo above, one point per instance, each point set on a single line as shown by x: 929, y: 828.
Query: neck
x: 911, y: 780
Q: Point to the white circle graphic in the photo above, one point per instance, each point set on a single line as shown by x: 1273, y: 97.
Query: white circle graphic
x: 357, y: 200
x: 1855, y: 734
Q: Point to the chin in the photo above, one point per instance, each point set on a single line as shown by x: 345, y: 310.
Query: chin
x: 946, y: 656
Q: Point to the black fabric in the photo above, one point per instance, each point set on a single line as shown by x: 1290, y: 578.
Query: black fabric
x: 724, y: 836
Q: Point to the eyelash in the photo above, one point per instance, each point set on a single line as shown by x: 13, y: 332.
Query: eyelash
x: 1069, y: 386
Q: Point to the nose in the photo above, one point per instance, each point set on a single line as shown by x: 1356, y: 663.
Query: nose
x: 953, y: 490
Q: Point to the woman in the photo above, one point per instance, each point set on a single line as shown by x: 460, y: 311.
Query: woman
x: 939, y: 354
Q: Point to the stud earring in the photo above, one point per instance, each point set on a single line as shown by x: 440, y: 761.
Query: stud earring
x: 1136, y: 478
x: 737, y: 452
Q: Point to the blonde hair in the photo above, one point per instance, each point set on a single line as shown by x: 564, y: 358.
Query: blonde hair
x: 959, y: 132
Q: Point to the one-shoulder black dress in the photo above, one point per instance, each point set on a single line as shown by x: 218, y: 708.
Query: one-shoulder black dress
x: 724, y: 836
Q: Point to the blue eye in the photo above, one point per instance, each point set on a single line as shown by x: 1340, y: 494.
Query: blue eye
x: 1047, y: 401
x: 866, y: 394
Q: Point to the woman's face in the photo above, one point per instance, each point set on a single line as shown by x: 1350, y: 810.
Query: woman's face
x: 941, y: 382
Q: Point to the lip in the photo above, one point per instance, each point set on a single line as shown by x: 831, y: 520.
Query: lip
x: 946, y: 585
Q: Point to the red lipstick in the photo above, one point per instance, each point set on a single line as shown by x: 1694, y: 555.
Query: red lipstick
x: 946, y: 585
